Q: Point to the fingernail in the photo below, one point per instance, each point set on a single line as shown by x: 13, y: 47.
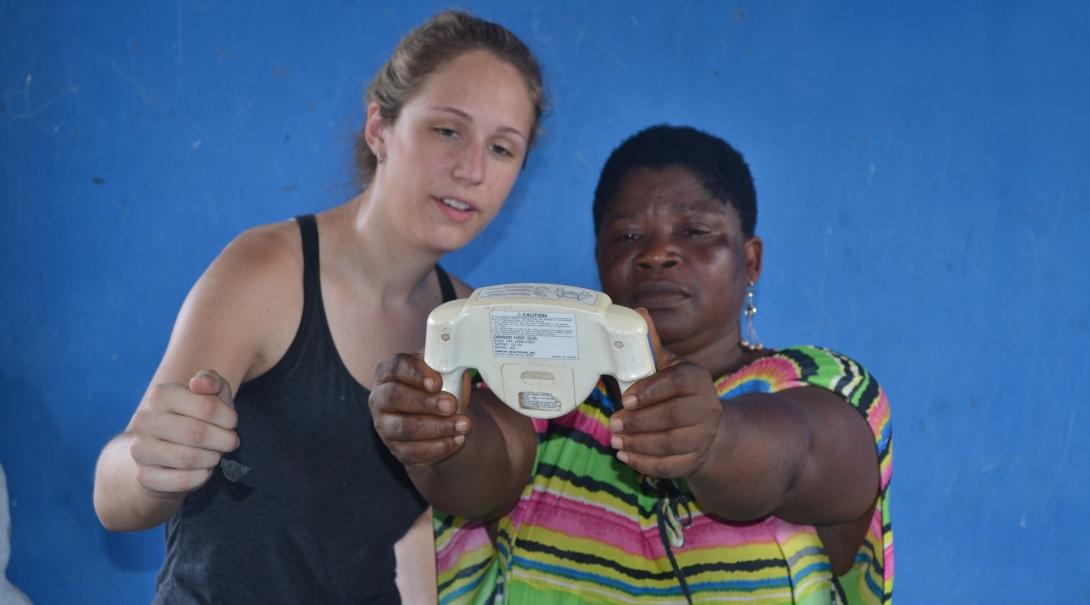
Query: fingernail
x: 628, y: 401
x: 461, y: 425
x: 623, y: 457
x: 429, y: 384
x: 616, y: 443
x: 616, y: 425
x: 445, y: 405
x: 459, y: 439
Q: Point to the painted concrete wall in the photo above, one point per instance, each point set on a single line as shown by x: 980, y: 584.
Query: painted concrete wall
x: 923, y: 172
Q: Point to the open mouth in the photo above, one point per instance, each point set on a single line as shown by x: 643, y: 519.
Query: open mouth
x: 456, y: 204
x: 455, y: 209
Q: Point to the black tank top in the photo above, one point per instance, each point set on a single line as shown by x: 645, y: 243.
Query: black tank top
x: 315, y: 517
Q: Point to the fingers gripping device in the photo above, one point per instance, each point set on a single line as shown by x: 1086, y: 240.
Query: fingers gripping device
x: 540, y: 347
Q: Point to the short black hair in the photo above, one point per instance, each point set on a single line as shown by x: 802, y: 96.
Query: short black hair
x: 719, y: 167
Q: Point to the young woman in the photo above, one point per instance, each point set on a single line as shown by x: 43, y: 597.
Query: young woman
x: 254, y: 441
x: 735, y: 474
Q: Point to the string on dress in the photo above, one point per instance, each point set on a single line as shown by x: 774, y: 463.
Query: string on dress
x: 671, y: 501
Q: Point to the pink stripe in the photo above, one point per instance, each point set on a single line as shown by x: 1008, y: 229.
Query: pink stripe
x: 888, y: 562
x: 466, y: 539
x: 577, y: 519
x: 875, y: 528
x: 879, y: 414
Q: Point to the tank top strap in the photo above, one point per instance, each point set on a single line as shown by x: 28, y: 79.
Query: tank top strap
x: 312, y: 273
x: 445, y: 285
x: 308, y: 229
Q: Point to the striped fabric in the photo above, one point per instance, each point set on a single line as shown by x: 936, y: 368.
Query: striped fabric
x: 589, y: 529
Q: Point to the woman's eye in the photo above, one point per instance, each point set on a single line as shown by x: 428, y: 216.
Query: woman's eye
x: 695, y: 232
x: 501, y: 150
x: 446, y: 133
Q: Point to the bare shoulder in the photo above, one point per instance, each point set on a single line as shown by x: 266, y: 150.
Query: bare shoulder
x: 242, y: 312
x: 263, y: 252
x: 255, y: 271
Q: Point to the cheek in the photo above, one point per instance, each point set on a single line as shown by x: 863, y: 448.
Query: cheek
x: 613, y: 271
x: 728, y: 264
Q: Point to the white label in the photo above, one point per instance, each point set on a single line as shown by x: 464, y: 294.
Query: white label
x: 534, y: 335
x: 538, y: 401
x: 545, y: 291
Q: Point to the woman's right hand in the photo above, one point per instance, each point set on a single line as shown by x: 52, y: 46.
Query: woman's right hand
x: 180, y: 431
x: 416, y: 420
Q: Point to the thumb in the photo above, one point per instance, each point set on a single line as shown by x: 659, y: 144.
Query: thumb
x: 209, y: 382
x: 663, y: 357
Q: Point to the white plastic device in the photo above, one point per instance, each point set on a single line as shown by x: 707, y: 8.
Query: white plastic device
x: 540, y: 347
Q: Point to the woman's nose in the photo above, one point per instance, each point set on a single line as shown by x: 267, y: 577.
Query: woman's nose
x: 657, y: 253
x: 470, y: 165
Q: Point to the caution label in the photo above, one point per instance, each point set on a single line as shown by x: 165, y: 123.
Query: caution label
x: 534, y: 335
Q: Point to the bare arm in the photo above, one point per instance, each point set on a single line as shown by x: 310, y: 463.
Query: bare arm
x: 186, y: 419
x: 804, y: 454
x: 473, y: 465
x: 415, y: 556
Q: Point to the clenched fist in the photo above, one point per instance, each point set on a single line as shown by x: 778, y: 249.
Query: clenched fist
x: 180, y: 431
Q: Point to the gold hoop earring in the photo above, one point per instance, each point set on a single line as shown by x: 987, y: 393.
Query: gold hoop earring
x: 751, y: 342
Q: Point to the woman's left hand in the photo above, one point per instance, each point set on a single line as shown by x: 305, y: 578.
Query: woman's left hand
x: 670, y: 419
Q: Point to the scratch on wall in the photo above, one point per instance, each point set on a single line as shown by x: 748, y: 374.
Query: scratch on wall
x: 145, y: 96
x: 609, y: 54
x: 1059, y: 473
x: 179, y: 44
x: 28, y: 109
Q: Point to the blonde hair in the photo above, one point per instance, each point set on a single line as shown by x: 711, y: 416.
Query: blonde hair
x: 424, y: 50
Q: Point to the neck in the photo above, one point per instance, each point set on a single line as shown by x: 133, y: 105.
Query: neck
x: 718, y: 355
x: 377, y: 256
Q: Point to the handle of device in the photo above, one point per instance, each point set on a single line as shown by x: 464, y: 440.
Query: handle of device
x: 452, y: 383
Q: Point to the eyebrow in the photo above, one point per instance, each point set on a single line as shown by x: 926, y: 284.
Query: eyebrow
x: 711, y: 205
x: 469, y: 118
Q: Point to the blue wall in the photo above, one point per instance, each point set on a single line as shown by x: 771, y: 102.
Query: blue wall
x: 923, y: 171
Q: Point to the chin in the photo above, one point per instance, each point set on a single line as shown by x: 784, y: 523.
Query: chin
x: 669, y: 332
x: 446, y: 240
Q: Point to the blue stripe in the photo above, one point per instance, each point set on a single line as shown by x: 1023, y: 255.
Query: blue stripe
x: 812, y: 568
x: 874, y: 588
x: 470, y: 587
x: 809, y: 551
x: 739, y: 585
x: 752, y: 385
x: 883, y: 440
x: 869, y: 565
x: 572, y: 574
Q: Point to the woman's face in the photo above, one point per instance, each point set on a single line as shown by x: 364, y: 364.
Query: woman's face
x: 667, y: 245
x: 453, y: 153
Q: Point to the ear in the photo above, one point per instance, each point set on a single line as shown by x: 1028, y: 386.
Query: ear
x: 375, y: 129
x: 754, y: 248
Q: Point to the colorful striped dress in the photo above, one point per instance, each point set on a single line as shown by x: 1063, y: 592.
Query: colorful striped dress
x: 589, y: 529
